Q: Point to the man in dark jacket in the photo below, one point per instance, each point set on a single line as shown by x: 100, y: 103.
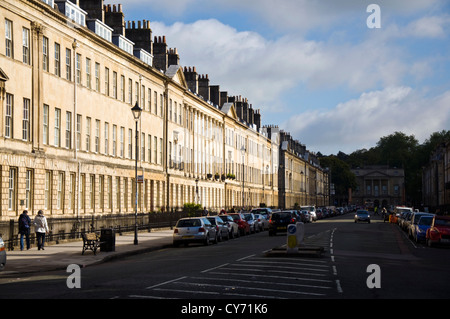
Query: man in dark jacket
x: 24, y: 228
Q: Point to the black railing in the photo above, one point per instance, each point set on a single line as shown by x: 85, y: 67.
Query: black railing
x: 64, y: 229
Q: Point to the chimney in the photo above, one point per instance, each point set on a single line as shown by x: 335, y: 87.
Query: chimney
x: 94, y: 8
x: 203, y: 87
x: 191, y: 78
x: 115, y: 18
x: 214, y: 91
x: 141, y: 36
x: 173, y: 57
x: 160, y: 58
x: 257, y: 120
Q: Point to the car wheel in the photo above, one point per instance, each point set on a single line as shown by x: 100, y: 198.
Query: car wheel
x: 206, y: 240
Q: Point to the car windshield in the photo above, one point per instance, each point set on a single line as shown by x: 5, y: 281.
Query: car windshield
x: 248, y: 217
x: 189, y: 223
x: 426, y: 221
x: 442, y: 222
x: 362, y: 212
x: 281, y: 216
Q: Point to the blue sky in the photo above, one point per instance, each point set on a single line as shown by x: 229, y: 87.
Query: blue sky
x: 314, y: 67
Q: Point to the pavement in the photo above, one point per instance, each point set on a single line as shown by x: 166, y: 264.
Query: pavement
x: 59, y: 256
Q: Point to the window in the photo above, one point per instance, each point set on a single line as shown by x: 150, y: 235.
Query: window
x: 60, y: 192
x: 29, y: 189
x: 92, y: 192
x: 149, y: 148
x: 68, y: 129
x: 122, y: 141
x: 47, y: 190
x: 68, y: 65
x: 122, y: 88
x: 26, y: 120
x: 160, y: 151
x: 78, y: 65
x: 130, y: 91
x: 106, y: 139
x: 149, y: 100
x: 88, y: 73
x: 143, y: 146
x: 97, y: 77
x: 161, y: 103
x: 106, y: 81
x: 9, y: 116
x: 88, y: 134
x: 57, y: 130
x: 101, y: 192
x: 45, y: 53
x: 12, y: 188
x: 109, y: 193
x: 115, y: 85
x: 130, y: 140
x: 71, y: 198
x: 155, y: 145
x: 118, y: 194
x: 114, y: 140
x: 156, y: 103
x: 9, y: 38
x: 57, y: 59
x: 26, y: 46
x: 97, y: 136
x: 78, y: 131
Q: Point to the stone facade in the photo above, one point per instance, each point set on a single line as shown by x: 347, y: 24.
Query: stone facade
x: 70, y: 73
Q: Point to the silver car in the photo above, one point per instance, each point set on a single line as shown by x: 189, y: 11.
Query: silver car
x: 233, y: 228
x: 194, y: 230
x: 2, y: 254
x: 263, y: 222
x: 250, y: 219
x: 221, y: 227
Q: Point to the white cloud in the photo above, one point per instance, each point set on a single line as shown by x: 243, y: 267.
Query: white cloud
x: 360, y: 123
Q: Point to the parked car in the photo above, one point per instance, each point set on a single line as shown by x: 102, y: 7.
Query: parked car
x: 279, y: 221
x: 221, y: 227
x: 307, y: 217
x: 233, y: 228
x: 244, y: 227
x: 2, y: 254
x: 263, y: 222
x: 266, y: 211
x: 420, y: 229
x: 194, y: 230
x: 311, y: 209
x: 414, y: 220
x: 362, y: 215
x: 439, y: 231
x: 252, y: 222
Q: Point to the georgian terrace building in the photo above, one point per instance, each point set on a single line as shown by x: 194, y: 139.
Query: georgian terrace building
x: 70, y: 72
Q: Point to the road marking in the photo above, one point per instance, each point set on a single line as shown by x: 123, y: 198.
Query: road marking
x: 245, y: 257
x: 338, y: 285
x: 271, y: 276
x: 213, y: 268
x: 166, y: 282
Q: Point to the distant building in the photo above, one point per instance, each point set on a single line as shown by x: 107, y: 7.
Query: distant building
x: 379, y: 186
x: 436, y: 180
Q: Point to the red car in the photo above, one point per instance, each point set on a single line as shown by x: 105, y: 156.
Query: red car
x: 439, y: 232
x: 244, y: 227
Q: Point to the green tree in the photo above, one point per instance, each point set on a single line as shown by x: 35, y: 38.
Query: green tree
x: 341, y: 175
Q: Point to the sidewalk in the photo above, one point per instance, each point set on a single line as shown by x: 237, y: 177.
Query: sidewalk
x: 59, y: 256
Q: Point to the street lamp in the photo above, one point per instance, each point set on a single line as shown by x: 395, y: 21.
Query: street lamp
x: 136, y: 114
x: 243, y: 175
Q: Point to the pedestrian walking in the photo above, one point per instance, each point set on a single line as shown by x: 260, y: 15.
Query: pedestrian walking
x: 41, y: 227
x: 24, y: 229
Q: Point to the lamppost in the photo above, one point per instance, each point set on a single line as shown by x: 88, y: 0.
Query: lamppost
x: 243, y: 175
x: 136, y: 114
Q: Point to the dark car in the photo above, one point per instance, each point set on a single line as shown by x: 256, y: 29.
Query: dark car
x: 279, y: 222
x: 362, y: 215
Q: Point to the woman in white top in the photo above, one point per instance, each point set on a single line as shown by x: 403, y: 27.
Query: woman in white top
x: 41, y: 227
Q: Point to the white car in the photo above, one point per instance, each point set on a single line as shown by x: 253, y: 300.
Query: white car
x: 233, y: 228
x: 263, y: 222
x: 312, y: 210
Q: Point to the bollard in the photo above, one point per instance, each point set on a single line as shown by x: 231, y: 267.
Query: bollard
x: 295, y: 235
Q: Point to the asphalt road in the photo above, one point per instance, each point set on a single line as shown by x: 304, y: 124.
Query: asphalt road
x: 363, y: 261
